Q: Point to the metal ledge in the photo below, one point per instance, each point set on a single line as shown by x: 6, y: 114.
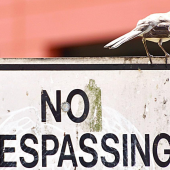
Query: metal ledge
x: 86, y: 60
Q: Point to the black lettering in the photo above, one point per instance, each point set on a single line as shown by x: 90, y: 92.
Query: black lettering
x: 72, y: 157
x: 135, y: 143
x: 125, y: 150
x: 45, y: 99
x: 110, y: 150
x: 88, y: 150
x: 86, y: 106
x: 6, y: 150
x: 46, y: 152
x: 155, y: 147
x: 29, y: 150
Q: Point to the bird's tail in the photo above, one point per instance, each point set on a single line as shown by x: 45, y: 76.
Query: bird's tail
x: 124, y: 38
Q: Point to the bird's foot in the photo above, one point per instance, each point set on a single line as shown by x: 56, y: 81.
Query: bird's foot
x: 166, y: 57
x: 150, y: 56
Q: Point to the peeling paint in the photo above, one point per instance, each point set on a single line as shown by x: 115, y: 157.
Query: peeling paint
x: 167, y: 80
x: 165, y: 101
x: 157, y: 86
x: 144, y: 114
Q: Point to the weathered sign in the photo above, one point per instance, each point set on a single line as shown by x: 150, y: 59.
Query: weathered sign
x: 84, y: 113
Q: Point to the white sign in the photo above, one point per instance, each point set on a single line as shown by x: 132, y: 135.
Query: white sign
x: 57, y: 114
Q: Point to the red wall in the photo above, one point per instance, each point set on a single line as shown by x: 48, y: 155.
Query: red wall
x: 29, y: 27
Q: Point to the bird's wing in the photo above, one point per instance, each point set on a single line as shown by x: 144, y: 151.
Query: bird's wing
x: 163, y: 25
x: 139, y: 30
x: 159, y: 31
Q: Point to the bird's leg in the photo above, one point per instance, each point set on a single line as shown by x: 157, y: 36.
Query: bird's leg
x: 166, y: 54
x: 146, y: 49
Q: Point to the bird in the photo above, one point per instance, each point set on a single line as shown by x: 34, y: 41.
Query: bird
x: 155, y: 28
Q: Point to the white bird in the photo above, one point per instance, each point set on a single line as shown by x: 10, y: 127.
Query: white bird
x: 155, y: 28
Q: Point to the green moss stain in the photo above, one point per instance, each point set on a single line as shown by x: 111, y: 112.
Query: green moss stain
x: 94, y: 121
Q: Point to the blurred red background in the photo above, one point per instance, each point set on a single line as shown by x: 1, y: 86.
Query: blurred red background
x: 57, y: 28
